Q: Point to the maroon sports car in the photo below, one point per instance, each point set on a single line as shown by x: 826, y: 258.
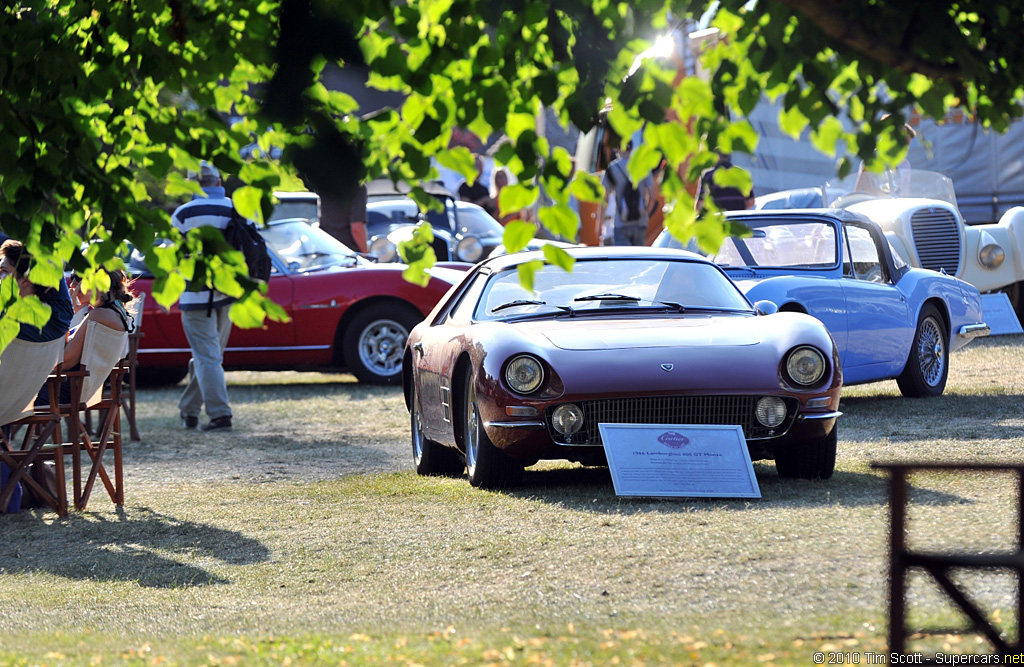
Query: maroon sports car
x: 347, y: 313
x: 498, y: 377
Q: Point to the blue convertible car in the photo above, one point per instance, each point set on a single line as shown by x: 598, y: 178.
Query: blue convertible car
x: 888, y: 320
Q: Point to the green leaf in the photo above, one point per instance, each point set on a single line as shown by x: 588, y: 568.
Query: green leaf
x: 459, y: 159
x: 733, y: 177
x: 516, y: 197
x: 558, y: 257
x: 560, y: 220
x: 247, y: 202
x: 827, y: 135
x: 526, y: 272
x: 517, y: 234
x: 792, y: 121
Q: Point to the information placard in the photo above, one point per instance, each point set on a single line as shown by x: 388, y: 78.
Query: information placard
x: 679, y: 460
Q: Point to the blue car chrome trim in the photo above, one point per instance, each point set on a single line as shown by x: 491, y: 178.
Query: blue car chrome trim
x: 814, y: 418
x: 971, y: 331
x: 515, y: 424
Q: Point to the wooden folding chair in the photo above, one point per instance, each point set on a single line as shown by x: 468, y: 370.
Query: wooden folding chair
x: 131, y: 355
x: 24, y: 367
x: 102, y: 354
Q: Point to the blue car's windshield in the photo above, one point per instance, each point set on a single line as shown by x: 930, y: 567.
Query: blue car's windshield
x: 606, y: 284
x: 781, y: 244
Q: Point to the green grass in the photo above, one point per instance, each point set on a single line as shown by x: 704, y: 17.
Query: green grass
x: 304, y: 538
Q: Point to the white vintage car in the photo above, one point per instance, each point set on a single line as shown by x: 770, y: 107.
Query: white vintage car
x: 917, y: 210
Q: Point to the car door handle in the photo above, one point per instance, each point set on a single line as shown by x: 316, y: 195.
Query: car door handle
x: 418, y: 347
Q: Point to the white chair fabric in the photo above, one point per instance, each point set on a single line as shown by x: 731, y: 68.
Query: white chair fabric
x: 101, y: 351
x: 24, y: 367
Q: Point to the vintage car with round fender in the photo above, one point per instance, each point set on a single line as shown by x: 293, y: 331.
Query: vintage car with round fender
x: 888, y: 320
x: 347, y: 313
x: 918, y: 211
x: 499, y: 377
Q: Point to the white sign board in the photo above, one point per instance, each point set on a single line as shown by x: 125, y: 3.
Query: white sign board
x: 679, y: 460
x: 998, y: 314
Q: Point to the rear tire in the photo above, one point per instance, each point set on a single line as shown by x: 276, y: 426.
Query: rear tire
x: 928, y: 364
x: 487, y: 466
x: 430, y: 457
x: 816, y: 460
x: 374, y: 342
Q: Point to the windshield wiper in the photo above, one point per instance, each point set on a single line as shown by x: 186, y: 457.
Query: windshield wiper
x: 518, y: 302
x: 607, y: 297
x: 729, y: 267
x: 678, y: 307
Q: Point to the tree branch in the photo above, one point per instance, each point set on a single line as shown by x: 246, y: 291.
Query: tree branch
x: 840, y: 26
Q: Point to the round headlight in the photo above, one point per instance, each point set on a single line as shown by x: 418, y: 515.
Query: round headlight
x: 383, y: 249
x: 469, y: 250
x: 567, y: 419
x: 771, y: 411
x: 524, y: 374
x: 805, y: 365
x: 991, y: 256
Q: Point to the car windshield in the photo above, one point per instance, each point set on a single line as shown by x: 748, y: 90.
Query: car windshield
x: 600, y: 285
x: 302, y: 247
x: 896, y: 183
x: 780, y: 243
x: 476, y: 221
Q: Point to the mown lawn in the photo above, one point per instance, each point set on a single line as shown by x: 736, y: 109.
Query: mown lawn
x: 304, y: 538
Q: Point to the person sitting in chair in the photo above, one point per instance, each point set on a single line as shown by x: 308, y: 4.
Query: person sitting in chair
x: 100, y: 308
x: 15, y: 262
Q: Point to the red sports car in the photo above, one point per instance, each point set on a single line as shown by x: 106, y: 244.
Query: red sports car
x: 498, y: 377
x: 347, y: 313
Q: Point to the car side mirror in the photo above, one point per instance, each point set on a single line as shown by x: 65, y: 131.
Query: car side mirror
x: 765, y: 307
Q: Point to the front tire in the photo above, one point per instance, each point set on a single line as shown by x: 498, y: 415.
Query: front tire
x: 816, y: 460
x: 928, y: 364
x: 375, y: 341
x: 487, y: 466
x: 430, y: 457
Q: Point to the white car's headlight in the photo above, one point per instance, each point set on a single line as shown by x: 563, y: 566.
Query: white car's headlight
x: 469, y: 250
x: 524, y: 374
x: 805, y: 365
x: 991, y: 256
x: 383, y: 249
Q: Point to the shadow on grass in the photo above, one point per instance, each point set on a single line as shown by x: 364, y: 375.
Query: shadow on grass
x: 591, y: 490
x: 137, y: 545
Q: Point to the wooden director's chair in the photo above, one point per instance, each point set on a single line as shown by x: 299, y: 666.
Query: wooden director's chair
x: 24, y: 368
x: 102, y: 359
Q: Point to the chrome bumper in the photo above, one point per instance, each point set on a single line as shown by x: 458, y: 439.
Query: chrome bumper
x: 972, y: 331
x: 821, y: 417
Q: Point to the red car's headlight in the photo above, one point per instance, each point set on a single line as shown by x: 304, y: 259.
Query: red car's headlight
x: 524, y: 374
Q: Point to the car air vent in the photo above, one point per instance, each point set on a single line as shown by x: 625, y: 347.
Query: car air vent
x: 937, y: 239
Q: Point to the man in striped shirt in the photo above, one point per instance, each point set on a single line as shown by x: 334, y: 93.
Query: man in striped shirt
x: 204, y: 315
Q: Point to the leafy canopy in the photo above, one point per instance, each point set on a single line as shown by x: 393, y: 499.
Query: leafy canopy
x: 107, y: 105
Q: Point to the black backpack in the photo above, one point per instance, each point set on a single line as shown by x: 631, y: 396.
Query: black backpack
x: 629, y: 207
x: 244, y: 237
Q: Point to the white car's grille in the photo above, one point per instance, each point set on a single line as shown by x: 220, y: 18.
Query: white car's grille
x: 725, y: 410
x: 937, y: 239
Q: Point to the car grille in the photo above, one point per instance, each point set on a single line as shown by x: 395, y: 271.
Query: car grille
x: 724, y: 410
x: 937, y: 239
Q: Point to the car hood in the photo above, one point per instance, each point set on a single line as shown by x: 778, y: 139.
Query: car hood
x: 625, y: 334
